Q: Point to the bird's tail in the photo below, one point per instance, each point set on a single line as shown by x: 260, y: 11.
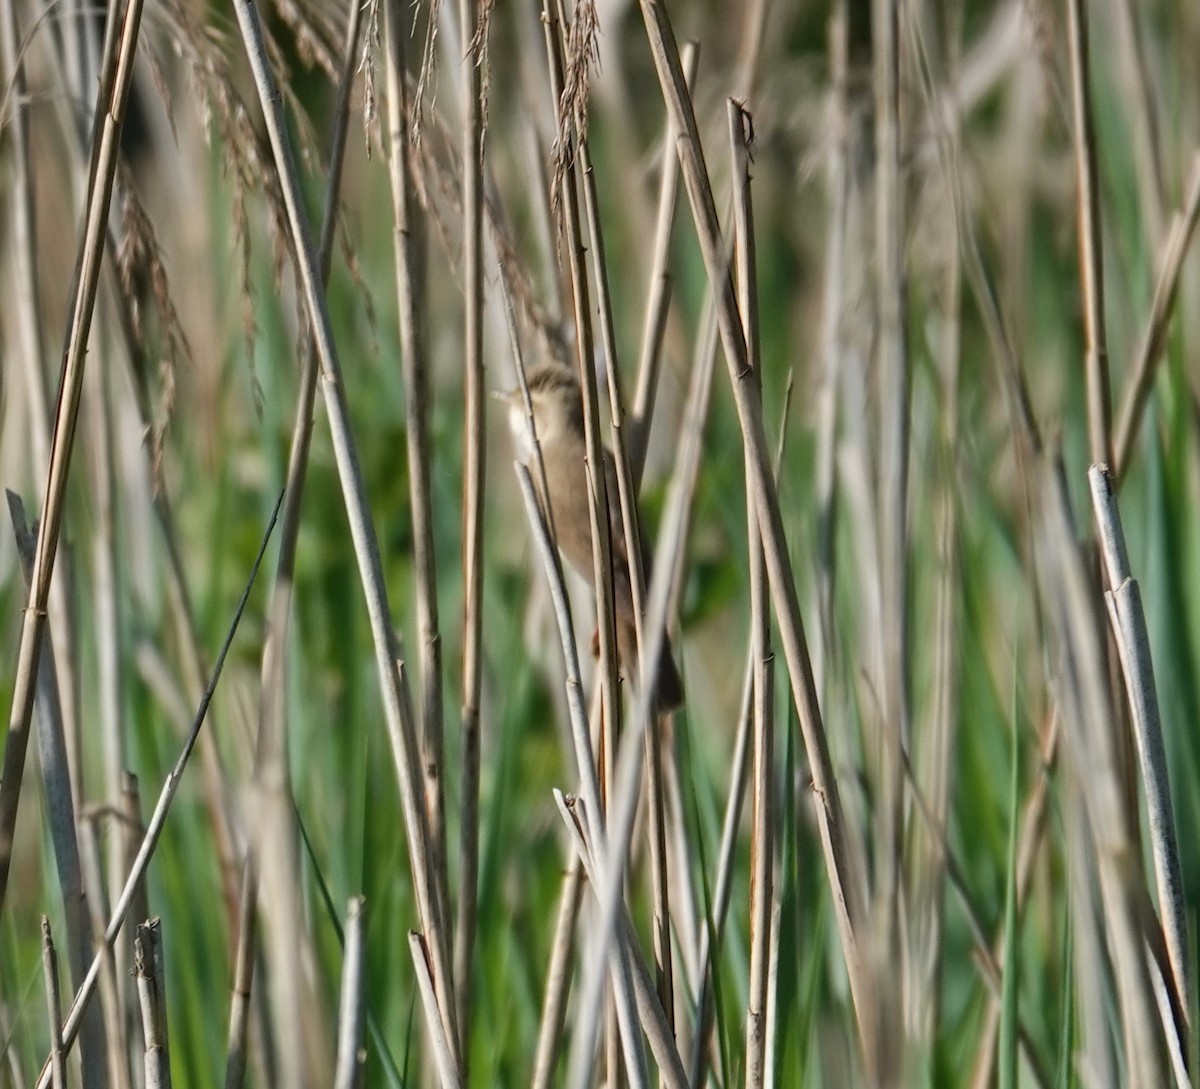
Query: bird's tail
x: 668, y: 685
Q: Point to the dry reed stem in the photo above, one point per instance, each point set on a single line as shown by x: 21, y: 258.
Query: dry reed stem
x: 409, y: 247
x: 151, y: 988
x: 110, y: 112
x: 128, y: 815
x: 349, y: 1070
x: 762, y: 839
x: 114, y: 1039
x: 1092, y: 747
x: 473, y: 23
x: 1154, y: 334
x: 845, y: 880
x: 1133, y: 647
x: 378, y: 1039
x: 58, y: 1068
x: 393, y: 676
x: 443, y: 1050
x: 558, y: 976
x: 154, y: 829
x: 1091, y: 273
x: 658, y: 297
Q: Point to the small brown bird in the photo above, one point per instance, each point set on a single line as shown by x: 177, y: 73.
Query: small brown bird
x: 558, y: 418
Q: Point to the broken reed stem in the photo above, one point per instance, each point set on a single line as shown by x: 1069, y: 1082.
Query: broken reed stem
x: 151, y: 988
x: 159, y: 817
x: 58, y: 1069
x: 658, y: 299
x: 443, y: 1052
x: 378, y: 1039
x: 271, y: 742
x: 845, y: 880
x: 1154, y: 335
x: 351, y: 1059
x: 474, y: 490
x: 762, y: 853
x: 650, y: 1011
x: 389, y: 660
x: 1133, y: 646
x: 409, y: 246
x: 112, y: 1031
x: 1091, y: 272
x: 110, y: 112
x: 558, y: 976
